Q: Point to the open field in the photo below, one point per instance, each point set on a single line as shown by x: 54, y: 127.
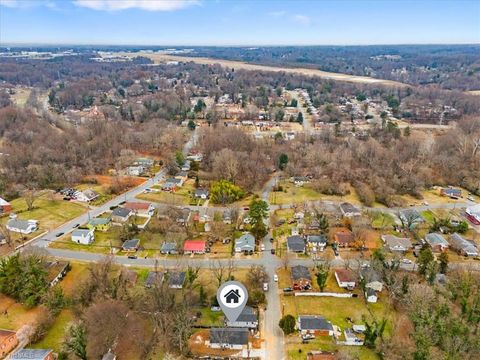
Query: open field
x: 56, y: 334
x: 162, y: 58
x: 14, y: 315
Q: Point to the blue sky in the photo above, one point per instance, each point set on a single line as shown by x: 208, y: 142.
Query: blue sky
x: 239, y: 22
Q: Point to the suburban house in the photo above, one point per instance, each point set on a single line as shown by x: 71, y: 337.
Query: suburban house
x: 229, y: 338
x: 345, y: 279
x: 371, y: 295
x: 56, y: 270
x: 140, y: 208
x: 183, y: 175
x: 154, y: 278
x: 169, y: 187
x: 451, y: 193
x: 301, y: 278
x: 437, y: 242
x: 315, y: 325
x: 245, y: 244
x: 183, y: 216
x: 186, y: 165
x: 86, y: 195
x: 227, y: 217
x: 22, y: 226
x: 33, y: 354
x: 372, y: 279
x: 396, y: 244
x: 136, y: 170
x: 5, y: 206
x: 99, y: 224
x: 121, y: 215
x: 348, y: 210
x: 130, y: 245
x: 145, y: 162
x: 462, y: 245
x: 296, y: 244
x: 194, y: 247
x: 83, y: 236
x: 8, y: 342
x: 473, y: 214
x: 202, y: 194
x: 343, y: 238
x: 316, y: 242
x: 300, y: 180
x: 169, y: 248
x: 195, y: 157
x: 246, y: 319
x: 176, y: 279
x: 410, y: 217
x: 299, y: 215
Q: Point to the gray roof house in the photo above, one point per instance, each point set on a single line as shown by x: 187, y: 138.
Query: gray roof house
x: 314, y: 324
x: 462, y: 245
x: 245, y: 243
x: 22, y: 226
x: 246, y: 319
x: 120, y: 214
x: 154, y: 278
x: 169, y: 248
x: 394, y: 243
x: 349, y: 210
x: 296, y: 244
x: 301, y: 278
x: 202, y: 194
x: 437, y: 242
x: 32, y: 354
x: 176, y: 279
x: 372, y: 279
x: 410, y: 217
x: 317, y: 242
x: 228, y: 338
x: 131, y: 245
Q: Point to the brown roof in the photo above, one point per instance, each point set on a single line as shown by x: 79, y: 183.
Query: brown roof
x: 345, y: 275
x: 5, y: 334
x: 344, y: 236
x: 137, y: 205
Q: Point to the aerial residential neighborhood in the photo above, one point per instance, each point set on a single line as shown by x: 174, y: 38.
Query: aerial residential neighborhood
x: 239, y: 180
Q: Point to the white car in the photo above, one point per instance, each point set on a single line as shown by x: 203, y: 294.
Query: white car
x: 265, y: 286
x: 407, y: 261
x: 275, y: 278
x: 262, y: 247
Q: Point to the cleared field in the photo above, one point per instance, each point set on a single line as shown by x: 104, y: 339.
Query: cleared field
x: 55, y: 335
x: 14, y: 315
x: 162, y: 58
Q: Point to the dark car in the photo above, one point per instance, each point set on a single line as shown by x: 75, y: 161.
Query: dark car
x: 59, y: 234
x: 132, y: 256
x: 76, y: 225
x: 271, y: 240
x: 287, y: 289
x: 272, y: 251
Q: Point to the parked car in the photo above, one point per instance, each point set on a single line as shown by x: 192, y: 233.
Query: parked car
x: 59, y: 234
x: 407, y: 261
x: 262, y: 247
x: 271, y: 240
x: 308, y: 337
x: 470, y: 198
x: 275, y: 278
x: 132, y: 257
x: 287, y: 289
x: 272, y: 251
x: 76, y: 225
x: 265, y: 286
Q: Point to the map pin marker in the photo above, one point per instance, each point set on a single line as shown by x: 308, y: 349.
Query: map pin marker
x: 232, y: 297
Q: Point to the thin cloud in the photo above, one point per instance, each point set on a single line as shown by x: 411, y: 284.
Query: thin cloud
x: 302, y: 19
x: 19, y: 4
x: 277, y: 14
x: 147, y: 5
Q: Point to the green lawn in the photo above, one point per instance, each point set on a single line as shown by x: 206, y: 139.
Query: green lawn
x: 209, y: 317
x: 428, y: 216
x: 55, y: 335
x: 381, y: 220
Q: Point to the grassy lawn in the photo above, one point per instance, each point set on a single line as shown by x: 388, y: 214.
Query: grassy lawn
x: 428, y: 216
x: 50, y: 210
x: 209, y: 318
x: 14, y: 315
x: 176, y: 198
x: 381, y: 220
x: 55, y: 335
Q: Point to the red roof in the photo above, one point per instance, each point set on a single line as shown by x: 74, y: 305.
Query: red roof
x: 194, y: 245
x: 137, y: 205
x: 344, y: 275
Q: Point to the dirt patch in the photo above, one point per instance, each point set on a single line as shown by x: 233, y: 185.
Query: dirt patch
x: 161, y: 58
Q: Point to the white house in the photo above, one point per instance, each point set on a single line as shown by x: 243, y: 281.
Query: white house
x: 22, y: 226
x: 86, y: 195
x: 83, y: 236
x: 246, y: 319
x: 371, y: 295
x: 345, y: 279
